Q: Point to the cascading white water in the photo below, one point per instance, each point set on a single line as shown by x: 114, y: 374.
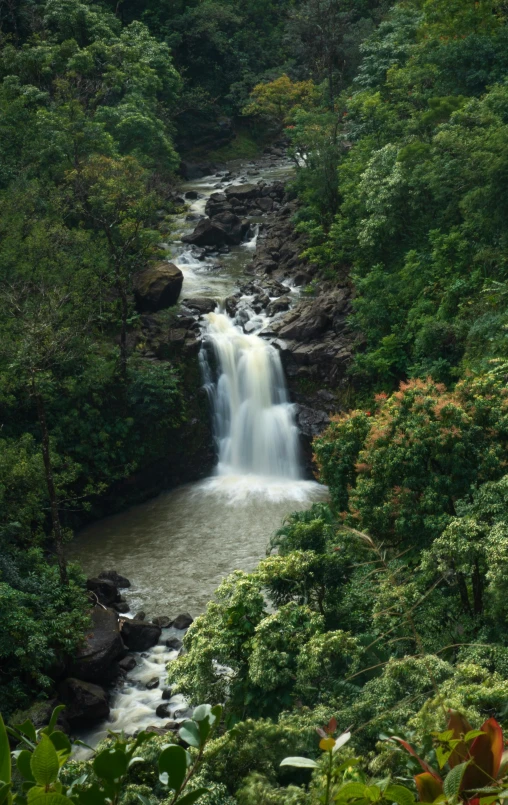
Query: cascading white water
x: 253, y: 420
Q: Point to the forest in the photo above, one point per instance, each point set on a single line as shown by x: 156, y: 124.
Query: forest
x: 365, y: 658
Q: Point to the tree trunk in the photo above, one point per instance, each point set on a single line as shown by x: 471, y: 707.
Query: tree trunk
x: 53, y: 499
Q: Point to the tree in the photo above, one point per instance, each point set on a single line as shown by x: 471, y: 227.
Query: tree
x: 113, y: 197
x: 278, y: 99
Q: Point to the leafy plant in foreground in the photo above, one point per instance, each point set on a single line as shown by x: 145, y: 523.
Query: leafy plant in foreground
x: 45, y: 752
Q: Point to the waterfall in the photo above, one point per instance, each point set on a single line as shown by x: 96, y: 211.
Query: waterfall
x: 254, y: 422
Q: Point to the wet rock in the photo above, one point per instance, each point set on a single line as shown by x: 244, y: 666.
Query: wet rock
x: 182, y: 621
x: 162, y: 620
x: 160, y: 731
x: 163, y: 711
x: 196, y: 170
x: 104, y: 589
x: 139, y: 636
x: 121, y: 606
x: 158, y: 287
x: 201, y: 304
x: 128, y: 663
x: 116, y: 578
x: 192, y: 195
x: 172, y: 726
x: 153, y: 683
x: 184, y: 712
x: 279, y: 305
x: 85, y: 702
x: 216, y: 204
x: 166, y: 694
x: 140, y: 616
x: 103, y: 646
x: 174, y: 643
x: 265, y: 204
x: 242, y: 192
x: 310, y: 421
x: 222, y: 228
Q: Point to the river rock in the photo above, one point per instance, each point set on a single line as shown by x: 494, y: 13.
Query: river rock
x: 158, y: 287
x: 127, y: 663
x: 163, y: 711
x: 174, y: 643
x: 201, y: 304
x: 85, y: 703
x: 162, y: 620
x: 104, y: 589
x: 265, y: 204
x: 279, y: 305
x: 192, y: 195
x: 310, y: 421
x: 172, y: 726
x: 116, y: 578
x: 95, y: 659
x: 139, y: 636
x: 242, y: 192
x: 216, y: 204
x: 121, y: 606
x: 140, y: 616
x: 182, y: 621
x: 153, y: 683
x: 167, y: 693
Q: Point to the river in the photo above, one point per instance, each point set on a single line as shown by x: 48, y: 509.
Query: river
x: 177, y: 548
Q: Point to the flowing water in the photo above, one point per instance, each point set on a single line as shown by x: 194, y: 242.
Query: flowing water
x: 177, y: 548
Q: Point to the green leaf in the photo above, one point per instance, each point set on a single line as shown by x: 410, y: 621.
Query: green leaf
x: 201, y: 712
x: 473, y: 734
x: 173, y: 762
x: 351, y: 791
x: 54, y: 718
x: 62, y: 745
x: 204, y: 730
x: 453, y: 780
x: 23, y: 763
x: 217, y: 712
x: 5, y: 754
x: 92, y: 796
x: 192, y: 796
x: 44, y: 762
x: 5, y: 792
x: 111, y: 764
x: 300, y: 762
x: 51, y: 798
x: 189, y: 732
x: 373, y: 793
x: 399, y: 794
x: 28, y: 729
x: 144, y: 800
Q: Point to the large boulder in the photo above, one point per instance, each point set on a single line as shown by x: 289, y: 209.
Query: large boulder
x: 225, y: 228
x: 182, y: 621
x: 216, y: 204
x: 241, y: 192
x: 140, y: 635
x: 96, y: 660
x: 115, y: 577
x: 85, y: 703
x: 157, y: 287
x: 104, y: 589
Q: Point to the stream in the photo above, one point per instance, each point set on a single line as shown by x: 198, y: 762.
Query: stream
x: 177, y: 548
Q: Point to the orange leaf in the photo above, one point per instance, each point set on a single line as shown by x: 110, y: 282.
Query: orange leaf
x: 460, y: 726
x: 425, y: 766
x: 428, y: 787
x: 486, y: 751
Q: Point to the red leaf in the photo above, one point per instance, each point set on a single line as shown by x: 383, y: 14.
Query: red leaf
x: 332, y: 726
x: 425, y: 766
x: 428, y: 787
x: 460, y: 726
x: 486, y: 751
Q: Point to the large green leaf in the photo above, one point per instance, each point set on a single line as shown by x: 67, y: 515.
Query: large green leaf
x: 111, y: 764
x: 173, y: 762
x: 62, y: 745
x: 192, y: 796
x: 351, y: 791
x: 299, y: 762
x: 44, y: 762
x: 453, y: 780
x: 201, y: 712
x: 189, y: 732
x: 399, y: 794
x: 28, y: 729
x: 23, y: 762
x: 50, y: 798
x: 5, y: 754
x: 54, y: 718
x: 5, y: 793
